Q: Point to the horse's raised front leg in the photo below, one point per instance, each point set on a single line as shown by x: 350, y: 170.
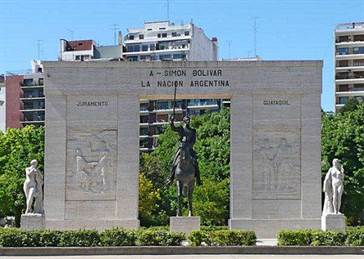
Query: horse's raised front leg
x: 179, y: 197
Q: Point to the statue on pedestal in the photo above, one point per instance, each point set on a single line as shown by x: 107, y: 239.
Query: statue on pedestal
x: 333, y: 187
x: 33, y: 189
x: 185, y: 165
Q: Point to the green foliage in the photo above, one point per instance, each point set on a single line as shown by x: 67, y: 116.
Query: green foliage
x: 294, y: 237
x: 350, y: 106
x: 149, y: 196
x: 312, y: 237
x: 343, y: 138
x: 223, y: 238
x: 355, y: 236
x: 157, y: 237
x: 211, y: 200
x: 17, y: 148
x: 328, y: 238
x: 19, y: 238
x: 118, y: 237
x: 79, y: 238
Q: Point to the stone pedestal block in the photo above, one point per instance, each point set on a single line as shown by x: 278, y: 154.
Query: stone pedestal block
x: 334, y: 222
x: 184, y: 224
x: 32, y: 221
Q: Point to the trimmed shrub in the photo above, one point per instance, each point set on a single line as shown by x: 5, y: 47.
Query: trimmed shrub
x: 79, y: 238
x: 294, y: 237
x: 223, y: 238
x: 11, y: 237
x: 152, y: 237
x: 118, y: 237
x: 355, y: 236
x: 328, y: 238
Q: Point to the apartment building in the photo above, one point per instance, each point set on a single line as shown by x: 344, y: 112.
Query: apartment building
x: 85, y: 50
x: 349, y: 63
x: 2, y: 103
x: 25, y: 101
x: 166, y: 41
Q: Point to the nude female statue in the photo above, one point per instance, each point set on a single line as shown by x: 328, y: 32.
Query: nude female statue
x: 333, y: 188
x: 33, y: 188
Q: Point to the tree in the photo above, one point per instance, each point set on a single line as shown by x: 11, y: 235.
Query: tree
x: 17, y: 148
x: 213, y: 151
x: 343, y: 138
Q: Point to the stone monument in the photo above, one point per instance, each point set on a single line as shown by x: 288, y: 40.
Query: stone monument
x: 333, y: 188
x: 33, y: 218
x: 92, y: 138
x: 185, y: 170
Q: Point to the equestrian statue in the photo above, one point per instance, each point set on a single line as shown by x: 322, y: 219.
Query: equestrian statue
x: 185, y: 165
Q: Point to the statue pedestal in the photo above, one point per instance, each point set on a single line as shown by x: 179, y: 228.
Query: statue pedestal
x: 32, y: 221
x: 333, y: 222
x: 184, y: 224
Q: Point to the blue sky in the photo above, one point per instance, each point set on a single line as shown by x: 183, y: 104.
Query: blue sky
x: 286, y: 30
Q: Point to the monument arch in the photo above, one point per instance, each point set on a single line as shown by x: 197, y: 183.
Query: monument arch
x: 92, y: 141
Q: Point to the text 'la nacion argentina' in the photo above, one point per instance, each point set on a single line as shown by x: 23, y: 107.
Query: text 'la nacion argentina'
x: 173, y: 78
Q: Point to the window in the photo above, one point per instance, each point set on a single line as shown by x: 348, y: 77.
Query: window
x: 343, y: 88
x: 78, y: 57
x: 165, y: 56
x: 131, y: 37
x: 179, y: 56
x: 187, y: 33
x: 152, y: 46
x: 144, y: 119
x: 174, y: 34
x: 343, y: 99
x: 164, y: 35
x: 144, y: 131
x: 342, y: 51
x: 133, y: 48
x: 162, y: 28
x: 358, y: 50
x: 358, y: 62
x: 145, y: 48
x: 342, y: 63
x: 133, y: 58
x: 159, y: 35
x: 141, y: 36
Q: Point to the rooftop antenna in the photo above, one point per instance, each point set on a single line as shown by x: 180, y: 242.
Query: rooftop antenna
x: 255, y: 35
x: 115, y: 28
x: 168, y: 10
x: 71, y: 33
x: 39, y: 48
x: 229, y: 48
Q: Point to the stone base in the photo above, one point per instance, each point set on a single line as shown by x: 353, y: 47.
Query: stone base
x: 268, y: 228
x: 91, y: 224
x: 334, y: 222
x: 32, y: 221
x: 184, y: 224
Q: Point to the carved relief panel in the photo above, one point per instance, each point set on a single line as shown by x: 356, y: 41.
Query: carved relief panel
x: 92, y: 164
x: 276, y: 169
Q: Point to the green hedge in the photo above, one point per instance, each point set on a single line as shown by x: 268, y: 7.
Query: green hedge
x: 156, y: 237
x: 13, y: 237
x: 354, y: 236
x: 222, y: 238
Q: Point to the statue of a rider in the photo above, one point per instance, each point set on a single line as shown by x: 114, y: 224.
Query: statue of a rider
x: 187, y: 137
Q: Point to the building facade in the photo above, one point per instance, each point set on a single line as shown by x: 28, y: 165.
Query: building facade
x: 349, y: 63
x: 2, y: 103
x: 165, y: 41
x: 85, y: 50
x: 25, y: 100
